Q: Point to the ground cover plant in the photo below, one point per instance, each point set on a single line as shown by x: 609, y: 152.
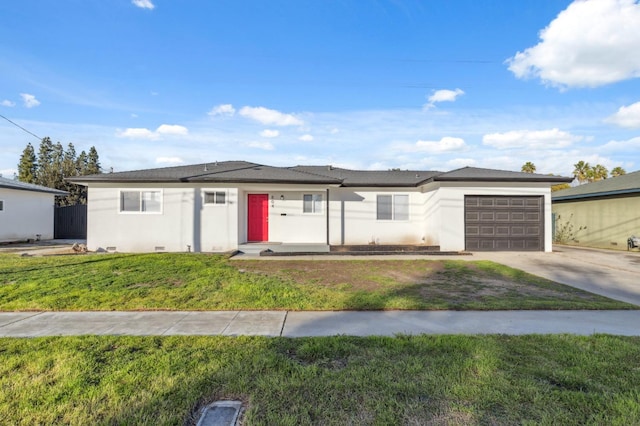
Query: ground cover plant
x: 496, y: 380
x: 172, y: 281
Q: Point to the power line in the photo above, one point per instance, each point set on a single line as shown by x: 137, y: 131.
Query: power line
x: 22, y: 128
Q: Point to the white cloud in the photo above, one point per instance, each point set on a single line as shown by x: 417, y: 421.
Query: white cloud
x: 617, y: 146
x: 172, y: 129
x: 334, y: 131
x: 30, y: 101
x: 589, y: 44
x: 268, y: 133
x: 224, y: 109
x: 306, y: 138
x: 144, y: 133
x: 443, y: 95
x: 143, y: 4
x: 169, y: 160
x: 7, y: 103
x: 137, y: 133
x: 530, y: 139
x: 446, y: 144
x: 267, y: 146
x: 627, y: 116
x: 270, y: 116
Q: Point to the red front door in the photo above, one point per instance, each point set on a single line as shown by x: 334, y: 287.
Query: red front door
x: 258, y: 214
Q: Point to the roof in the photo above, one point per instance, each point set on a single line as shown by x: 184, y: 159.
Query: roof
x: 246, y: 172
x: 22, y: 186
x: 619, y: 185
x: 377, y: 178
x: 492, y: 175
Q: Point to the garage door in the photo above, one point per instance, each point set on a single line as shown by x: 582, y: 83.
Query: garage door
x: 495, y: 223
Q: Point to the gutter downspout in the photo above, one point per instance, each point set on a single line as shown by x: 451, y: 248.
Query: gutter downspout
x: 327, y: 216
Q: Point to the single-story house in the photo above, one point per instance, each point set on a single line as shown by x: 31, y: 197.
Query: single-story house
x: 26, y: 210
x: 600, y: 214
x: 223, y: 206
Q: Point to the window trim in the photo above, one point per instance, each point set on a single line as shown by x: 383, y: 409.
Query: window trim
x: 315, y: 198
x: 140, y: 191
x: 393, y: 208
x: 215, y: 192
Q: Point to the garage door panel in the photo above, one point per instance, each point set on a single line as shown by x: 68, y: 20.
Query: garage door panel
x: 487, y: 216
x: 504, y: 223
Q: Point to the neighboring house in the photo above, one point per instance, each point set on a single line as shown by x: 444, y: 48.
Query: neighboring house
x: 26, y: 211
x: 222, y: 206
x: 599, y: 214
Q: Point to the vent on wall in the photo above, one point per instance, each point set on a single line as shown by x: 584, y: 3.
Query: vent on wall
x: 159, y: 248
x: 111, y: 249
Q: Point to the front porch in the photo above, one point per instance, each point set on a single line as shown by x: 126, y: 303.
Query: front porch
x: 284, y: 248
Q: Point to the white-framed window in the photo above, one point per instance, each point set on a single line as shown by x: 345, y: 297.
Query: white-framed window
x: 215, y: 197
x: 141, y: 201
x: 1, y: 205
x: 312, y: 203
x: 392, y: 207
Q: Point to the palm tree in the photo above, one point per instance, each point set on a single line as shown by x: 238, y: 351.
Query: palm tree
x: 581, y: 171
x: 528, y: 167
x: 598, y: 172
x: 618, y: 171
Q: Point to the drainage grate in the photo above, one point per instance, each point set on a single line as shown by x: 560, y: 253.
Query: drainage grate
x: 220, y: 413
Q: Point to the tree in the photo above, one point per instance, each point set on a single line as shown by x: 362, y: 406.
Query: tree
x: 618, y: 171
x: 581, y: 171
x: 44, y: 174
x: 54, y: 164
x: 28, y: 166
x: 598, y: 172
x: 528, y: 167
x: 559, y: 186
x: 93, y: 162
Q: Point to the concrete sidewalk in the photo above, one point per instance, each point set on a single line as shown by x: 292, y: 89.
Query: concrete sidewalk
x: 299, y: 324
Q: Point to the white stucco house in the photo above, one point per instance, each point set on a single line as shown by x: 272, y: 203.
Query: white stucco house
x: 224, y: 206
x: 26, y: 211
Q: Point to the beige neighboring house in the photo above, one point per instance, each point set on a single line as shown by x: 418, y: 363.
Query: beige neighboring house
x: 26, y: 211
x: 237, y: 205
x: 601, y: 214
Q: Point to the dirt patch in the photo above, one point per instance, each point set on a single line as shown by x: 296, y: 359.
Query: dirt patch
x: 426, y: 279
x: 360, y: 275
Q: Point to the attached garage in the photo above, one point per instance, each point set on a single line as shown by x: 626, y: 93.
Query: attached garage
x: 513, y: 223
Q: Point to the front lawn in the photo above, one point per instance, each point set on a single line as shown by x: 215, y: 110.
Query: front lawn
x: 499, y: 380
x: 212, y: 282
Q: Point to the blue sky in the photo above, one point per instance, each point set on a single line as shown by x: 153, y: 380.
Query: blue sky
x: 431, y: 85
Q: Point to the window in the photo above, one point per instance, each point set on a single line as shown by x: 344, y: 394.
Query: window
x: 392, y: 207
x: 1, y: 205
x: 140, y: 201
x: 217, y: 197
x: 312, y: 203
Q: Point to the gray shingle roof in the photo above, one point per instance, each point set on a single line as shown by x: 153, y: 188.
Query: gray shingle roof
x: 226, y: 171
x: 245, y: 172
x: 22, y: 186
x: 376, y: 178
x: 625, y: 184
x: 492, y: 175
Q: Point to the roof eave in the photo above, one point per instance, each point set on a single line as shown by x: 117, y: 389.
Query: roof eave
x: 520, y: 180
x: 596, y: 194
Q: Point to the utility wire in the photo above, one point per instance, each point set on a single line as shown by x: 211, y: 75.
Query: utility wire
x: 22, y: 128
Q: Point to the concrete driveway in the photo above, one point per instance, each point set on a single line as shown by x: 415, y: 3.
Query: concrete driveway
x: 614, y: 274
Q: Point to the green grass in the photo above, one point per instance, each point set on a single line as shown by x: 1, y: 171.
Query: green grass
x: 213, y: 282
x: 499, y: 380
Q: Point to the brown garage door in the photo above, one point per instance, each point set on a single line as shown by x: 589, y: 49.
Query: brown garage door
x: 494, y: 223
